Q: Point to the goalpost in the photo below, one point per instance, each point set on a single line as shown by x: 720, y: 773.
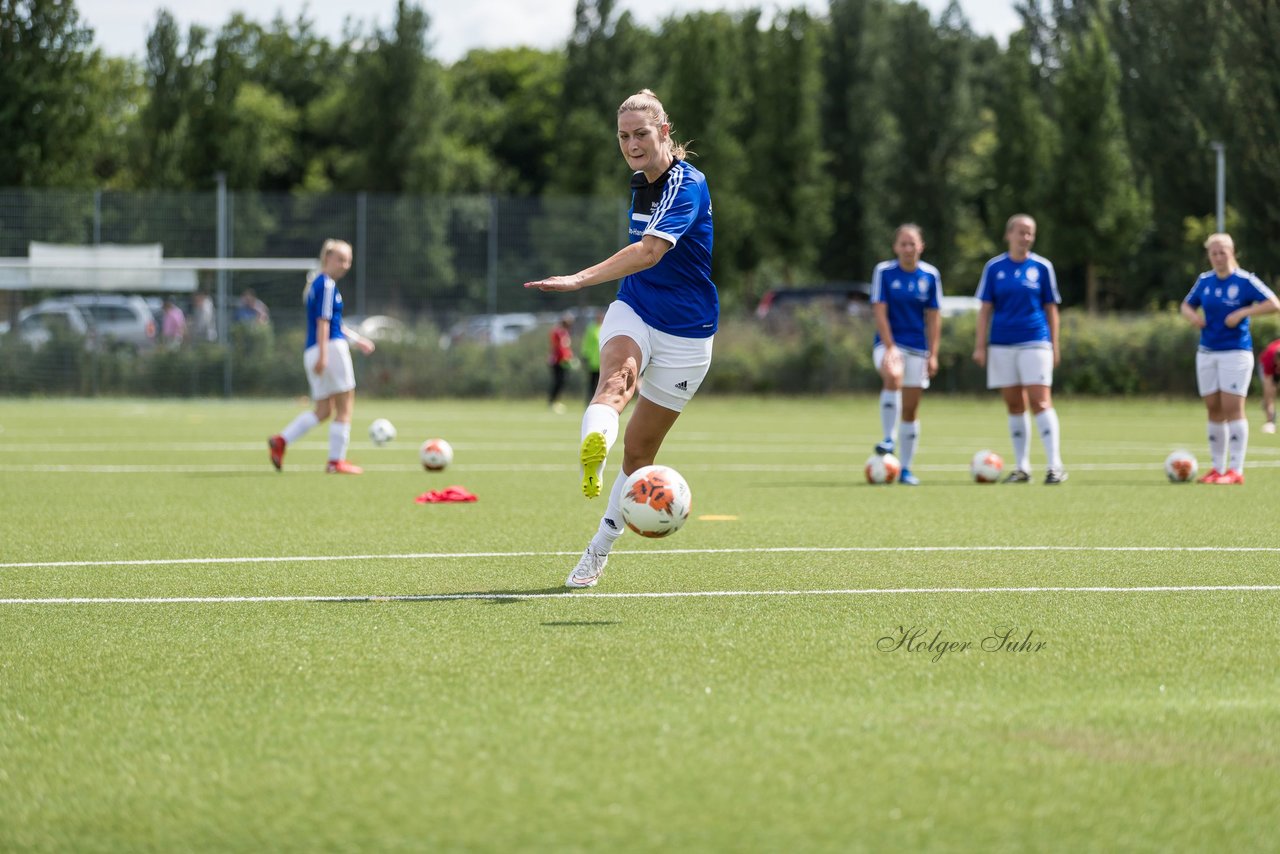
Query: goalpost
x: 141, y: 270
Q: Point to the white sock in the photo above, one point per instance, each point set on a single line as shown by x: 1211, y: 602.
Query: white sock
x: 339, y: 438
x: 1237, y: 443
x: 611, y: 525
x: 299, y: 426
x: 1218, y: 445
x: 600, y: 418
x: 890, y: 406
x: 908, y: 434
x: 1019, y: 427
x: 1050, y: 435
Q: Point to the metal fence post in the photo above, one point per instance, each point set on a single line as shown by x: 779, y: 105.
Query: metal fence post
x: 224, y: 313
x: 362, y: 246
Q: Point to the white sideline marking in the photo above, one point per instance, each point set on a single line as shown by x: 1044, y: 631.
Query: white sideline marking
x: 645, y: 553
x: 851, y: 469
x: 693, y: 594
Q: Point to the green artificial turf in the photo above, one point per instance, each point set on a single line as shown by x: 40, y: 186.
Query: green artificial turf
x: 361, y: 672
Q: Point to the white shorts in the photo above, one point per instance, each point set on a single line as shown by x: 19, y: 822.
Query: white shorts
x: 1224, y: 370
x: 1010, y: 366
x: 673, y: 367
x: 915, y: 367
x: 338, y: 374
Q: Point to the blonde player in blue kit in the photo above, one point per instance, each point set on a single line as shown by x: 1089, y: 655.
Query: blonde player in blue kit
x: 905, y: 295
x: 1017, y: 341
x: 663, y: 321
x: 326, y: 358
x: 1227, y: 296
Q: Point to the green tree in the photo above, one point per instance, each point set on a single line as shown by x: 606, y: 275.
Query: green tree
x: 504, y: 103
x: 789, y: 183
x: 1172, y: 82
x: 169, y: 76
x: 1252, y: 65
x: 1022, y: 160
x: 1098, y: 212
x: 47, y: 120
x: 605, y: 62
x: 708, y: 114
x: 854, y: 116
x: 118, y: 91
x: 930, y: 99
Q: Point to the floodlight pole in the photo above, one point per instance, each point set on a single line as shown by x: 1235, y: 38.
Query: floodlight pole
x: 1219, y: 150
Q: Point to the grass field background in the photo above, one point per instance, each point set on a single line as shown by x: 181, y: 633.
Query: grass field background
x: 729, y: 688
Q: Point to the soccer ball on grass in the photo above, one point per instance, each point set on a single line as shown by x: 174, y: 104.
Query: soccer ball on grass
x: 882, y: 468
x: 436, y: 454
x: 655, y: 501
x: 381, y: 431
x: 1180, y: 467
x: 985, y: 467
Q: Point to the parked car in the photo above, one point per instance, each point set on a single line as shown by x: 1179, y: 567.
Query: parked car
x: 494, y: 329
x: 38, y: 324
x: 381, y: 327
x: 850, y: 297
x: 118, y: 319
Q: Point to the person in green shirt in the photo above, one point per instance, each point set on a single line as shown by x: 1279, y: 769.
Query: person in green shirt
x: 590, y: 352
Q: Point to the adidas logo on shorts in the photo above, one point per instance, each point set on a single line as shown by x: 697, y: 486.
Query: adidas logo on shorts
x: 683, y: 385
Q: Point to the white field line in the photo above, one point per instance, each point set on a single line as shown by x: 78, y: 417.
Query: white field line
x: 783, y: 468
x: 645, y: 553
x: 684, y: 443
x: 582, y: 596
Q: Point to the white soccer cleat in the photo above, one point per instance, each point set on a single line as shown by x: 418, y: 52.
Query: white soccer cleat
x: 589, y: 569
x: 1269, y: 427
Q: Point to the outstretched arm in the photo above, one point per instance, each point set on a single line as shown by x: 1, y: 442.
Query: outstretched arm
x: 629, y: 259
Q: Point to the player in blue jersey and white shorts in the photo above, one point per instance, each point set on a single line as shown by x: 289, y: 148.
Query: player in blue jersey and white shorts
x: 1017, y: 341
x: 905, y: 295
x: 663, y: 321
x: 326, y: 359
x: 1220, y: 304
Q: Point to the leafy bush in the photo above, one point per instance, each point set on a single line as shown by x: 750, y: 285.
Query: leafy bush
x: 813, y: 352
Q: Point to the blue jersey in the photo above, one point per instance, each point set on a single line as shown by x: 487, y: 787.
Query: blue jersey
x: 676, y: 295
x: 324, y: 303
x: 1220, y: 297
x: 1018, y: 293
x: 907, y: 296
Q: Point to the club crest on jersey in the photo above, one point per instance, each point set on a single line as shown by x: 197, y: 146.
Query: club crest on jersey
x: 1233, y: 292
x: 1033, y: 274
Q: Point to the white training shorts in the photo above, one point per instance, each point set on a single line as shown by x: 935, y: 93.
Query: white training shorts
x: 1010, y: 366
x: 915, y: 366
x: 672, y: 367
x: 1224, y: 370
x: 338, y: 374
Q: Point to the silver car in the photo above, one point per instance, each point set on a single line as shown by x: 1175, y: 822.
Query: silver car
x: 118, y: 319
x: 39, y: 323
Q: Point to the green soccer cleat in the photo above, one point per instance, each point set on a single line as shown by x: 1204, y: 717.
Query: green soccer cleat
x: 592, y: 455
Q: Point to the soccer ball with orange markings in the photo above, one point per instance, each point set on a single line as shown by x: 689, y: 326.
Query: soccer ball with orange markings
x: 882, y: 468
x: 1181, y: 467
x: 986, y: 467
x: 436, y: 454
x: 655, y: 501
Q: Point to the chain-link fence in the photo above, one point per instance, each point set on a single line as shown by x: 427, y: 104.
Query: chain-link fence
x: 426, y: 261
x: 415, y: 256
